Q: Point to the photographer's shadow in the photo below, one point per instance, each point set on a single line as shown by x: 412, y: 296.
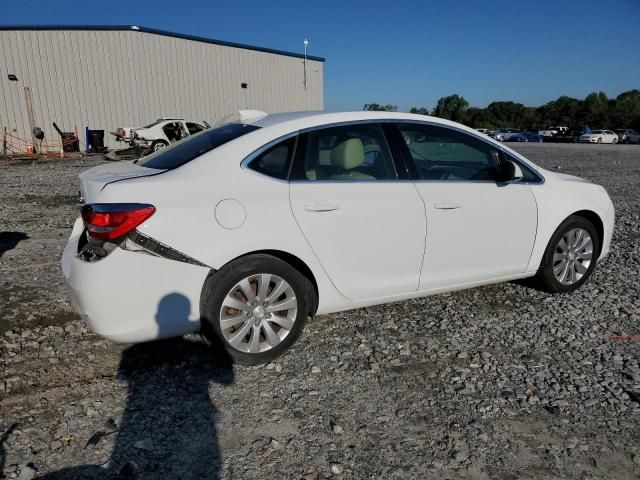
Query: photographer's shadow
x: 168, y: 427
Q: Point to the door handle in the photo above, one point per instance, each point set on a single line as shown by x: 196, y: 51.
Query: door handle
x: 321, y: 207
x: 447, y: 205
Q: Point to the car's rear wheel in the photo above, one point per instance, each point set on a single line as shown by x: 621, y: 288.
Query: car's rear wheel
x: 570, y: 256
x: 256, y: 308
x: 614, y: 141
x: 158, y: 145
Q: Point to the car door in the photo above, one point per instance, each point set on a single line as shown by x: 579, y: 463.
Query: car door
x: 365, y: 225
x: 478, y: 229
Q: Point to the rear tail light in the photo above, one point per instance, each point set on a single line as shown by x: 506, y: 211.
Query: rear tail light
x: 109, y: 221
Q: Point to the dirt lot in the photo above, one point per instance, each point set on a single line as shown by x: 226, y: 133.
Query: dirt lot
x: 496, y: 382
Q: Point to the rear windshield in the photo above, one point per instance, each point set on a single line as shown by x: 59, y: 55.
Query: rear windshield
x: 192, y: 147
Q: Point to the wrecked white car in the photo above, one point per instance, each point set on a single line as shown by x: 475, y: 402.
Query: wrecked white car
x: 159, y: 134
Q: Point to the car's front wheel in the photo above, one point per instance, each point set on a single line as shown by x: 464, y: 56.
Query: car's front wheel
x: 256, y: 308
x: 570, y: 256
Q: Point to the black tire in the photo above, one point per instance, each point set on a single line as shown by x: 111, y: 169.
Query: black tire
x: 599, y: 139
x: 615, y: 140
x: 222, y: 282
x: 545, y: 279
x: 158, y: 145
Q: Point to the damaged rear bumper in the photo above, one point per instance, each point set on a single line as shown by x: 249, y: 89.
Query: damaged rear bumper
x: 134, y: 296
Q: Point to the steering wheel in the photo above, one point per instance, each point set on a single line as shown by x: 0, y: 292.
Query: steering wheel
x: 486, y: 173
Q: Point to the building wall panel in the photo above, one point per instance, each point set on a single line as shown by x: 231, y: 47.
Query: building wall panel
x: 105, y: 79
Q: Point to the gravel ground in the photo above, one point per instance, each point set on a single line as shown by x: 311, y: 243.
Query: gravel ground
x: 500, y: 382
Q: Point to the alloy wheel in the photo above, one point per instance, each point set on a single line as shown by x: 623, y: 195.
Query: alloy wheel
x: 573, y: 256
x: 258, y: 313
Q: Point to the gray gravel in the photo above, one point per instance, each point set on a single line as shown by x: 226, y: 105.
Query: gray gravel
x: 496, y: 382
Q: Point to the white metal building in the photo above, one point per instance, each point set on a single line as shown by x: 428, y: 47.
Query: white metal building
x: 104, y: 77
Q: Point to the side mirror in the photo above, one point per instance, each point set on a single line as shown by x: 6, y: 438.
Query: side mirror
x: 517, y: 172
x: 509, y: 172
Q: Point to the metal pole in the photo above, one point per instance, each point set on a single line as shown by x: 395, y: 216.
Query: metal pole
x: 30, y: 115
x: 306, y: 42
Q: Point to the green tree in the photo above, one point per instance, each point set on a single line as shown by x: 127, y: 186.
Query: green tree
x: 625, y: 111
x: 564, y: 111
x: 452, y: 107
x: 595, y: 110
x: 506, y: 114
x: 376, y: 107
x: 480, y: 118
x: 419, y: 110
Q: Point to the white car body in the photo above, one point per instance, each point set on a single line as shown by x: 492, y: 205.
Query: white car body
x: 599, y: 136
x: 364, y: 242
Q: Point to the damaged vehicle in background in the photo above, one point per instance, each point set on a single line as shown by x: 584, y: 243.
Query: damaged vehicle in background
x: 159, y: 134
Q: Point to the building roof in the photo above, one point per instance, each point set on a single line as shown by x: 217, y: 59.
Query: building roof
x: 155, y: 31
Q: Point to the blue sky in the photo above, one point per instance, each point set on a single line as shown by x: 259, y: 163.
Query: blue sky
x: 407, y: 53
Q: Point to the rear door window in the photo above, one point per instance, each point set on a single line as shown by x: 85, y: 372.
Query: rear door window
x: 356, y: 152
x: 194, y: 146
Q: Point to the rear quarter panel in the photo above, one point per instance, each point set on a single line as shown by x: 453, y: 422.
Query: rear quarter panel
x: 185, y: 217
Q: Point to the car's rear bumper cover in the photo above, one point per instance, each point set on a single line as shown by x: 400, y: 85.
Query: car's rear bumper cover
x: 131, y: 296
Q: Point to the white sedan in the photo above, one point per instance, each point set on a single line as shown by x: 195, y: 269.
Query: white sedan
x: 599, y: 136
x: 246, y: 230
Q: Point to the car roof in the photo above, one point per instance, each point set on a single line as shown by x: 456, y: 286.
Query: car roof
x: 279, y: 124
x: 309, y: 119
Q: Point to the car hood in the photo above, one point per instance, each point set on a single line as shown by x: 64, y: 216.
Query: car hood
x: 563, y: 177
x: 92, y: 181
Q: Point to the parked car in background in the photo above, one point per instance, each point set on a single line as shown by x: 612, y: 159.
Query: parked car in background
x: 483, y: 130
x: 577, y: 132
x: 553, y: 131
x: 246, y: 230
x: 627, y: 135
x: 525, y: 136
x: 504, y: 134
x: 599, y: 136
x: 159, y: 134
x: 565, y: 134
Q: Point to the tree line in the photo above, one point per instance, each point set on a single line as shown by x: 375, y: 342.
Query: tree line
x: 595, y: 111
